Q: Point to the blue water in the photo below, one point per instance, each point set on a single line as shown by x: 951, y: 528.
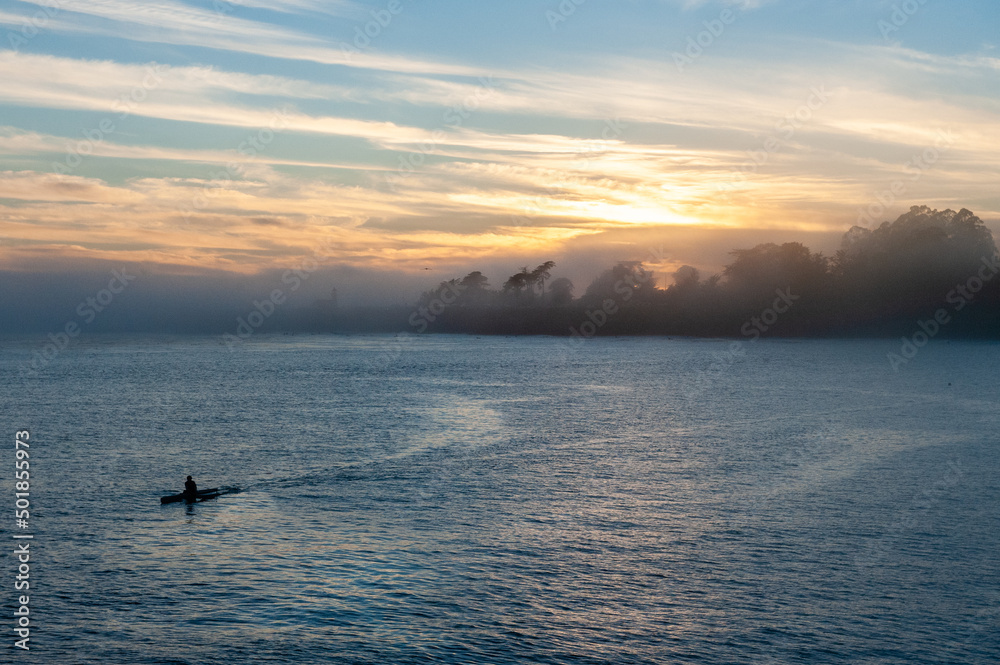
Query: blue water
x: 502, y: 500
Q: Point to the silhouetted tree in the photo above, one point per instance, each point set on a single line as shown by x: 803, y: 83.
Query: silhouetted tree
x: 686, y: 277
x: 517, y: 283
x: 908, y: 265
x: 922, y: 240
x: 475, y: 289
x: 540, y: 274
x: 769, y: 266
x: 880, y: 281
x: 626, y: 282
x: 560, y: 292
x: 476, y: 280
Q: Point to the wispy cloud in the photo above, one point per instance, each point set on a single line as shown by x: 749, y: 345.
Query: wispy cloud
x: 325, y: 7
x: 173, y: 23
x: 413, y: 154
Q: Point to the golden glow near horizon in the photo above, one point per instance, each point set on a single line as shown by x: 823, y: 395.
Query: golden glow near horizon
x: 142, y: 147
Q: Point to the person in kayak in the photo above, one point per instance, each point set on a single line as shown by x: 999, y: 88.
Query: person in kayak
x: 190, y: 489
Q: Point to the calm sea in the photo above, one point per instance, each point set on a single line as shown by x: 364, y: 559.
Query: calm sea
x: 507, y: 500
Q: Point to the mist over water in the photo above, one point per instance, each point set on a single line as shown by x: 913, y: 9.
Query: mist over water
x: 930, y: 272
x: 458, y: 499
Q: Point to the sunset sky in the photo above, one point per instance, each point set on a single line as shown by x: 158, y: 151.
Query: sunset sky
x: 402, y: 134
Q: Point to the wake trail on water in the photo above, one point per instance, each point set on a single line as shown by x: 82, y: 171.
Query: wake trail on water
x: 406, y: 463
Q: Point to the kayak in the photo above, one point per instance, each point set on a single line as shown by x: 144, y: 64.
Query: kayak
x: 203, y: 495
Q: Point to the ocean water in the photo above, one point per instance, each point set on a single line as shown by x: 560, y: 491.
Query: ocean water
x: 507, y: 500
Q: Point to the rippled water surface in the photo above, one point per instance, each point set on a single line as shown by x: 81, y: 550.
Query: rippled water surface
x: 500, y: 500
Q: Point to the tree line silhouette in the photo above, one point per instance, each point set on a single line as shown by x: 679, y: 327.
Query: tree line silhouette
x: 881, y: 281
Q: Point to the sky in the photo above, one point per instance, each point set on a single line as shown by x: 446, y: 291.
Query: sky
x: 420, y: 139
